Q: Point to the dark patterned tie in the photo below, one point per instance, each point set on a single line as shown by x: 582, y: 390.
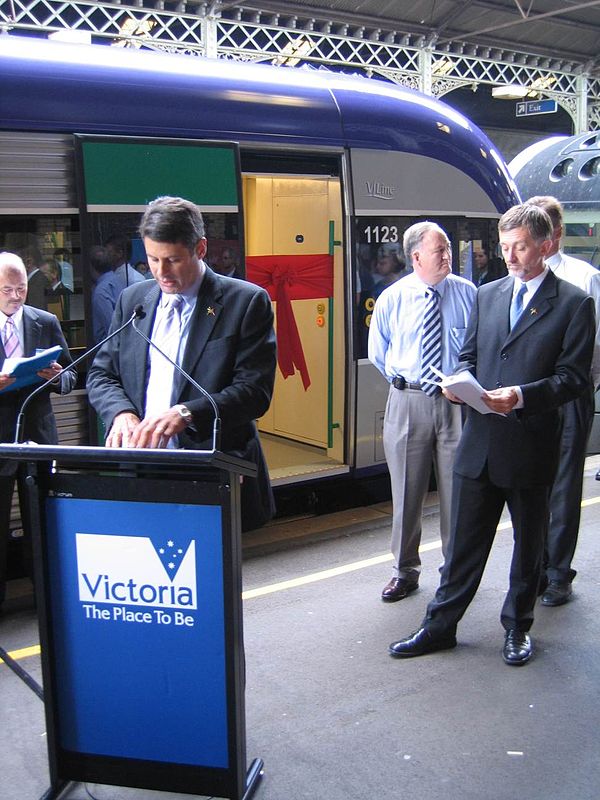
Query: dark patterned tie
x: 516, y: 308
x: 10, y: 340
x: 431, y: 343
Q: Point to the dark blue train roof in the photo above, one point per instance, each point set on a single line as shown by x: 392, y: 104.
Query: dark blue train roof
x: 53, y: 87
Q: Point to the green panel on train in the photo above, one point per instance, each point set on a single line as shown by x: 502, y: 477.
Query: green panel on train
x: 122, y: 174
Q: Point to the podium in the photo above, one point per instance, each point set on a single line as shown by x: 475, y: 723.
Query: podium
x: 137, y: 558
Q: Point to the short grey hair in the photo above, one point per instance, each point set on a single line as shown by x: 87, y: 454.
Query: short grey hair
x: 413, y: 236
x: 12, y: 261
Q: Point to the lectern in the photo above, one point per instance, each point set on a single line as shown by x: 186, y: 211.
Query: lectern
x: 137, y: 559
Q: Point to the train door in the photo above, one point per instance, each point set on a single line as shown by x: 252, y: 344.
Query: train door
x: 293, y: 248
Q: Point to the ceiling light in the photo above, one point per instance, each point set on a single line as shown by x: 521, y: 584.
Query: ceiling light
x: 510, y: 91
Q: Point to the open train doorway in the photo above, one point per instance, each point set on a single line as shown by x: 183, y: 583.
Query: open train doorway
x: 293, y: 243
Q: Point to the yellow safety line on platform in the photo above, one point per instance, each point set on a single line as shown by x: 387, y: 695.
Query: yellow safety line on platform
x: 24, y: 652
x: 293, y: 583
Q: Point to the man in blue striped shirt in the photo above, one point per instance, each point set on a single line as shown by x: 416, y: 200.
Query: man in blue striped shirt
x: 420, y: 426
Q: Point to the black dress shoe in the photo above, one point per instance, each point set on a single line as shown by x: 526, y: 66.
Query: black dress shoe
x: 517, y: 649
x: 398, y: 588
x: 420, y: 643
x: 557, y: 593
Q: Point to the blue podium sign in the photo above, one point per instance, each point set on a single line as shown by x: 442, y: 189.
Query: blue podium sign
x: 139, y: 631
x: 138, y: 582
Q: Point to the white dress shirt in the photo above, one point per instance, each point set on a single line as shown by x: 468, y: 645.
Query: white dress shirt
x: 586, y: 277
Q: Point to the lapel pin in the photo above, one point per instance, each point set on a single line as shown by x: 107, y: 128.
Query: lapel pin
x: 533, y: 312
x: 210, y: 312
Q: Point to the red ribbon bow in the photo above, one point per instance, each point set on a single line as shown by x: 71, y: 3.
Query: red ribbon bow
x: 288, y: 278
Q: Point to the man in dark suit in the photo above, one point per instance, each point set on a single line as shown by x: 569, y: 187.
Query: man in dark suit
x: 37, y: 283
x: 30, y: 329
x: 529, y: 342
x: 224, y: 339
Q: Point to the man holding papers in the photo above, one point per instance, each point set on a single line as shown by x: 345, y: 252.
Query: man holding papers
x: 23, y: 331
x: 529, y: 344
x: 417, y: 329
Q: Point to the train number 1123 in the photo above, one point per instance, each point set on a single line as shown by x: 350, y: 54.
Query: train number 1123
x: 380, y: 234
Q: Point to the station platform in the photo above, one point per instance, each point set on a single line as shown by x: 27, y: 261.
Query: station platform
x: 334, y: 717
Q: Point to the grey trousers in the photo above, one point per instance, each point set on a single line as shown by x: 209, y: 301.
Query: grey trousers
x: 418, y: 431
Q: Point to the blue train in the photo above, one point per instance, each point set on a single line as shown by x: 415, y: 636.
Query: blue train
x: 568, y: 168
x: 314, y: 173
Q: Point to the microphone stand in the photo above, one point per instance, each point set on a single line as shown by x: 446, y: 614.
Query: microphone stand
x: 137, y: 312
x: 216, y: 437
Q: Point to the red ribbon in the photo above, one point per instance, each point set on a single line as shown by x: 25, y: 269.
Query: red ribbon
x: 288, y: 278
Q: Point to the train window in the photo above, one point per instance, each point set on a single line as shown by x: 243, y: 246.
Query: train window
x: 116, y: 257
x: 562, y: 169
x: 591, y: 169
x: 582, y: 238
x: 50, y: 248
x: 380, y: 259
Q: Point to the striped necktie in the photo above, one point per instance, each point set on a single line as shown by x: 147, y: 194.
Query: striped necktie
x: 516, y: 308
x: 431, y: 343
x: 10, y: 340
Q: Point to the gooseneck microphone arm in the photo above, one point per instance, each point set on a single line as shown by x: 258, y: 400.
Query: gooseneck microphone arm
x: 138, y: 313
x: 216, y: 437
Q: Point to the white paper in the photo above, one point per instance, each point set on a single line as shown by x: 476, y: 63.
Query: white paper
x: 466, y: 388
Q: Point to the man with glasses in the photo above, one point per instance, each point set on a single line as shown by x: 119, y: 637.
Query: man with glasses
x: 23, y: 330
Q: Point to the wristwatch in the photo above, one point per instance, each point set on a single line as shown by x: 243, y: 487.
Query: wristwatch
x: 184, y: 412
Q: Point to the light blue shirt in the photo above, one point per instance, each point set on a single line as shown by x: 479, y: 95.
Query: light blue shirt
x: 397, y: 322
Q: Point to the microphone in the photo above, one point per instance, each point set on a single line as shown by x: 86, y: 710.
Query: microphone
x: 216, y: 437
x: 138, y: 313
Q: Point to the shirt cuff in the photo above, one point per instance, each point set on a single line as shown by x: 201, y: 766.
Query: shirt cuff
x: 520, y: 403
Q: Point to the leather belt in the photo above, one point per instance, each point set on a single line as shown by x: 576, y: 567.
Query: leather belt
x: 401, y: 383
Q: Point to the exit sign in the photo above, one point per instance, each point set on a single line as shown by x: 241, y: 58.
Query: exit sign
x: 531, y: 107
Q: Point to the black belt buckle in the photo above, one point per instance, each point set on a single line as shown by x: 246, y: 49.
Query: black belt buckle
x: 399, y: 382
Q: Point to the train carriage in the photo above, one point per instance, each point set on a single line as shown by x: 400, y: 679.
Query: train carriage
x: 307, y: 180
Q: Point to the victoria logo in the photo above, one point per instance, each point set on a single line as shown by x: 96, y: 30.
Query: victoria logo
x: 382, y: 191
x: 158, y: 572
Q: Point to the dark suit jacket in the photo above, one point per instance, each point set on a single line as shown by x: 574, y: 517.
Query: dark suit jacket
x: 230, y: 352
x: 41, y: 330
x: 548, y: 353
x: 37, y: 288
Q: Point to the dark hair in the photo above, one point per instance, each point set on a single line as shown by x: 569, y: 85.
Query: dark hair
x: 119, y: 243
x: 535, y: 219
x: 99, y: 260
x: 551, y: 206
x: 173, y: 220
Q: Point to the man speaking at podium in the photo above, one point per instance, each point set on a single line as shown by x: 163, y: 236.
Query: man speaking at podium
x: 218, y: 330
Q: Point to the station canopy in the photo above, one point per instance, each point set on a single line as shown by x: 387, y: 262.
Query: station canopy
x: 568, y: 30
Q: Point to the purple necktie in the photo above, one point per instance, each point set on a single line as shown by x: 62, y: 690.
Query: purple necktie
x: 10, y: 340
